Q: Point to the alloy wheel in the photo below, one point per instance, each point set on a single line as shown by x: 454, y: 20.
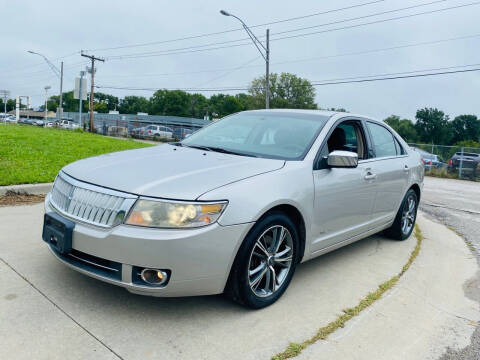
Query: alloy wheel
x: 270, y: 261
x: 408, y: 216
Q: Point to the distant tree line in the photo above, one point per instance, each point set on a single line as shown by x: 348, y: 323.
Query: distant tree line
x: 286, y: 91
x: 432, y: 126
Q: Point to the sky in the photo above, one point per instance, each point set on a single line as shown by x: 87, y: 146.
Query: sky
x: 150, y: 31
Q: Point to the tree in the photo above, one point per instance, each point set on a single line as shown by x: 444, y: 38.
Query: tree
x: 433, y: 126
x: 11, y: 103
x: 170, y: 102
x: 110, y: 101
x: 69, y: 103
x: 465, y: 127
x: 198, y: 105
x: 134, y: 105
x: 404, y: 128
x: 222, y: 105
x: 101, y: 107
x: 286, y: 91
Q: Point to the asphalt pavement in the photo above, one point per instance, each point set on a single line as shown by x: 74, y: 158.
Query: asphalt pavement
x: 456, y: 203
x: 48, y: 311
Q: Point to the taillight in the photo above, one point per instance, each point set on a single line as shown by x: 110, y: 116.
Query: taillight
x: 149, y: 131
x: 450, y: 162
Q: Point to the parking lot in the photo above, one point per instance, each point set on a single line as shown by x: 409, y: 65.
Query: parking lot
x: 48, y: 310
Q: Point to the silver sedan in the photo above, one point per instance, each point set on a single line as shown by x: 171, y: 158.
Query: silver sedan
x: 236, y: 206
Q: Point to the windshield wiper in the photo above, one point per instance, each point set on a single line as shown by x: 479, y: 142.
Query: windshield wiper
x: 218, y: 149
x: 226, y: 151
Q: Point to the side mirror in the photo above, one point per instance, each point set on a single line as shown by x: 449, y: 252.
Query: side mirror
x: 342, y: 159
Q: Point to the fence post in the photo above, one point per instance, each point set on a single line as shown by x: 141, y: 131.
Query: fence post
x: 461, y: 164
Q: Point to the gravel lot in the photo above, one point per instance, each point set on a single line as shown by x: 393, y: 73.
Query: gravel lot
x: 456, y: 203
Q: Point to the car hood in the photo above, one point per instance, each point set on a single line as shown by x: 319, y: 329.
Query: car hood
x: 168, y: 171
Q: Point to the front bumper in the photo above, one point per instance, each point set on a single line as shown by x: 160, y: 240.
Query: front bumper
x: 199, y: 259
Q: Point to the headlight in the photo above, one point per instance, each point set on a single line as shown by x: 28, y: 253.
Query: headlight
x: 166, y: 214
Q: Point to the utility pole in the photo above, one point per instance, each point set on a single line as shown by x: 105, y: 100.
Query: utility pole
x: 60, y: 105
x: 92, y: 69
x: 80, y: 92
x: 46, y: 100
x: 267, y: 75
x: 5, y: 94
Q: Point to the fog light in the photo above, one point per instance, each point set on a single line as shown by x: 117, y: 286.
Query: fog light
x: 154, y: 276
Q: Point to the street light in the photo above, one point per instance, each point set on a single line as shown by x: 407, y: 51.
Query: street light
x: 46, y: 99
x: 59, y: 74
x: 265, y: 53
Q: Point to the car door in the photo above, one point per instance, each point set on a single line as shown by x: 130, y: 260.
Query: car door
x: 344, y: 197
x: 390, y: 166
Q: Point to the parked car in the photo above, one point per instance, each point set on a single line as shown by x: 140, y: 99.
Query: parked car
x: 469, y: 162
x: 236, y: 215
x: 157, y: 131
x: 430, y: 160
x: 38, y: 123
x: 138, y: 131
x: 181, y: 133
x: 7, y: 118
x: 68, y: 124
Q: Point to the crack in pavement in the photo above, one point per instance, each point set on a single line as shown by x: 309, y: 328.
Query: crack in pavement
x: 62, y: 310
x: 451, y: 208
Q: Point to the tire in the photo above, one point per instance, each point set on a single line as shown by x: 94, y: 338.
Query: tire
x: 407, y: 212
x: 243, y: 285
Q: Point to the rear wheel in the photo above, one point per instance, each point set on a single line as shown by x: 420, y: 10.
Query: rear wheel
x: 405, y: 219
x: 265, y: 262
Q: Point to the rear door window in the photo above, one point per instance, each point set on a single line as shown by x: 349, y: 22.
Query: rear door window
x: 383, y: 141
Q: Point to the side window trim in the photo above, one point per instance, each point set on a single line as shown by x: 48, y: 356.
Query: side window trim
x: 363, y: 127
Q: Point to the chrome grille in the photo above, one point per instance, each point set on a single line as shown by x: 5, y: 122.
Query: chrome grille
x: 88, y: 203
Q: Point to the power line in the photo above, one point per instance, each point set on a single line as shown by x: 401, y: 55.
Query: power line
x: 362, y: 52
x: 237, y: 29
x: 288, y: 31
x: 201, y: 48
x: 396, y: 77
x: 378, y: 21
x: 229, y: 72
x: 365, y: 78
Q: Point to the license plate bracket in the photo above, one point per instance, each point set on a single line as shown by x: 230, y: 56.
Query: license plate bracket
x: 57, y: 232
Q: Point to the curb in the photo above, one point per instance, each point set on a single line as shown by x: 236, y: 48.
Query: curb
x: 31, y: 189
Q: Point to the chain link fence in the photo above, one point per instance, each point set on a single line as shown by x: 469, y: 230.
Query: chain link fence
x: 147, y: 127
x: 450, y: 161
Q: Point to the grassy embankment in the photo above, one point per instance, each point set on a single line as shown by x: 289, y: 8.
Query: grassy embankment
x: 30, y: 154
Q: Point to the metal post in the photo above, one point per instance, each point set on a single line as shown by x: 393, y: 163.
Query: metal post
x: 461, y: 165
x: 60, y: 108
x: 80, y: 100
x: 46, y: 99
x: 267, y: 76
x: 91, y: 94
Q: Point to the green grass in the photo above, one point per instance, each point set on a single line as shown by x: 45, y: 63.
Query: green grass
x: 294, y: 349
x: 30, y: 154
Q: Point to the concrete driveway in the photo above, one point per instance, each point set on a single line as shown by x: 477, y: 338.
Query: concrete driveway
x: 48, y: 311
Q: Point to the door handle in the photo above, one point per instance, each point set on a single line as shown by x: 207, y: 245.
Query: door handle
x: 370, y: 176
x: 406, y: 168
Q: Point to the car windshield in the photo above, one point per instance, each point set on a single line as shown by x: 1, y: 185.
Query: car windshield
x: 280, y: 135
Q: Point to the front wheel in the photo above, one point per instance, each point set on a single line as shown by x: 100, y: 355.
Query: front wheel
x: 265, y: 262
x: 405, y: 219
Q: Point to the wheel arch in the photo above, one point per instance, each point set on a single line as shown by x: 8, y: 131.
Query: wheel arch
x: 416, y: 188
x: 297, y: 218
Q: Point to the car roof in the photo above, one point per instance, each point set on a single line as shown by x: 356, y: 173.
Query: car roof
x: 326, y: 113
